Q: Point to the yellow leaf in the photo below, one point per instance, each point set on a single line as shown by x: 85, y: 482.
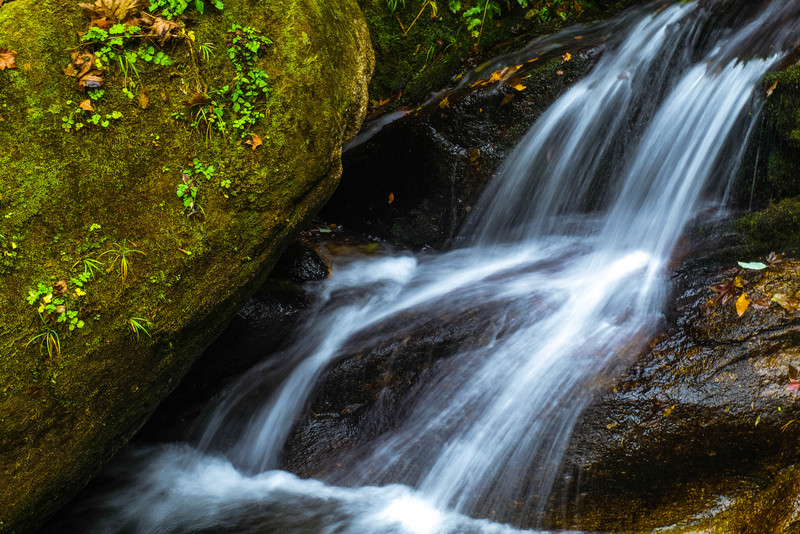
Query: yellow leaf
x: 79, y: 292
x: 567, y: 57
x: 444, y: 103
x: 772, y: 88
x: 391, y: 198
x: 506, y: 99
x: 741, y: 304
x: 668, y: 411
x: 520, y: 87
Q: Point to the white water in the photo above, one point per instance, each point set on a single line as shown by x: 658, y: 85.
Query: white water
x: 657, y: 127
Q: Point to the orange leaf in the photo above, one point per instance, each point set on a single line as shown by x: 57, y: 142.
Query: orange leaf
x: 86, y: 105
x: 254, y: 141
x: 391, y: 198
x: 444, y: 103
x: 772, y: 88
x: 741, y: 304
x: 7, y: 60
x: 473, y: 154
x: 567, y: 57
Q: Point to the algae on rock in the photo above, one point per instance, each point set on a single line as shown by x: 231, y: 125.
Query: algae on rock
x: 70, y: 196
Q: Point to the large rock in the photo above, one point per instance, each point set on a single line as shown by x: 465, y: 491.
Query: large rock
x: 109, y: 194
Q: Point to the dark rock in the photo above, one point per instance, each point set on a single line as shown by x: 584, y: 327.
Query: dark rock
x: 300, y: 264
x: 416, y: 179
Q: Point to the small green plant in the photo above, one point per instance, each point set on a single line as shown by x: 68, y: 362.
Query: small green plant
x: 90, y: 269
x: 49, y: 338
x: 173, y: 8
x: 206, y: 51
x: 187, y: 192
x: 53, y: 308
x: 137, y: 325
x: 120, y: 252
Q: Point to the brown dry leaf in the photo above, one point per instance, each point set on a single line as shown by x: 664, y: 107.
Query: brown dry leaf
x: 254, y: 141
x: 163, y: 29
x: 741, y: 304
x: 506, y: 99
x: 559, y: 73
x: 144, y: 101
x: 118, y: 10
x: 86, y: 105
x: 772, y: 88
x: 93, y: 80
x: 391, y: 198
x: 7, y: 60
x: 761, y: 303
x: 196, y: 100
x: 774, y: 258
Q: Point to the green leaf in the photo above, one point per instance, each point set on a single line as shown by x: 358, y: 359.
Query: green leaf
x: 754, y: 265
x: 199, y: 5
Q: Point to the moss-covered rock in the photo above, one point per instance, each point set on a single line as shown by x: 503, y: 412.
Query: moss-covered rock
x: 70, y: 398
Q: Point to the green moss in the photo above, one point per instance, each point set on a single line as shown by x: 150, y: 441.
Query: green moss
x: 776, y: 228
x: 415, y: 58
x: 64, y: 416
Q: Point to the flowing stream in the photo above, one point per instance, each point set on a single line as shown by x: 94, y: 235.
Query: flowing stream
x: 568, y: 249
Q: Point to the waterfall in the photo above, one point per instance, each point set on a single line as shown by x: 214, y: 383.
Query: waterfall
x: 570, y: 243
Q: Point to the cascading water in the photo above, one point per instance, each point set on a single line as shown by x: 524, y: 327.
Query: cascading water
x: 570, y: 244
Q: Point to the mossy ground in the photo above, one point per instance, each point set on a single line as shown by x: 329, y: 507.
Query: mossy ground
x: 67, y: 196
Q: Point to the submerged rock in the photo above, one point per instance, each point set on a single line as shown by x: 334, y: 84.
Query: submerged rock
x: 111, y: 284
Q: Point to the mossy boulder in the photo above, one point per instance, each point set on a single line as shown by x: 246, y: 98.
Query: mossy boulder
x: 107, y: 193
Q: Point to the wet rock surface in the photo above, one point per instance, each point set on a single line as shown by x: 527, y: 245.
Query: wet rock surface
x: 416, y: 179
x: 715, y: 394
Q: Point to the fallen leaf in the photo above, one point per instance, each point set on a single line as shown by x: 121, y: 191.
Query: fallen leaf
x: 391, y: 198
x: 444, y: 103
x: 753, y: 265
x: 144, y: 100
x: 163, y: 29
x: 196, y: 100
x: 7, y: 58
x: 33, y: 390
x: 254, y: 141
x: 93, y: 80
x: 739, y: 282
x: 566, y: 57
x: 787, y: 303
x: 772, y: 88
x: 761, y: 303
x: 60, y: 288
x: 774, y: 258
x: 741, y: 304
x: 473, y: 154
x: 559, y: 73
x: 793, y: 386
x: 506, y: 99
x: 86, y: 105
x: 668, y: 411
